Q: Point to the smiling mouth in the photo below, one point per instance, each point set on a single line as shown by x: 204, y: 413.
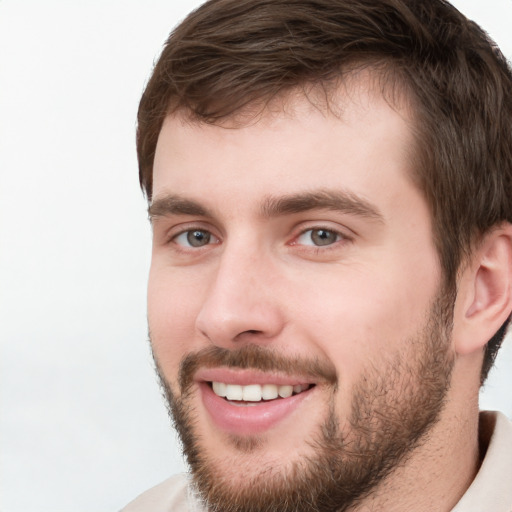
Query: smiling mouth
x: 256, y: 393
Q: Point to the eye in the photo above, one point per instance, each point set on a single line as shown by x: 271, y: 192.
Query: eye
x: 318, y: 237
x: 195, y: 238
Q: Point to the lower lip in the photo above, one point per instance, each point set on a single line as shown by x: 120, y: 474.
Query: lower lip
x: 249, y: 419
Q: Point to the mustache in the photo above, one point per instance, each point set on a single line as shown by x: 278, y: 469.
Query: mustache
x: 254, y: 357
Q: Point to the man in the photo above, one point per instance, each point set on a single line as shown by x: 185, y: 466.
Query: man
x: 329, y: 186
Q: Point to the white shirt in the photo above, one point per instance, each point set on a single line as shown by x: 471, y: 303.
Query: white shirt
x: 490, y: 491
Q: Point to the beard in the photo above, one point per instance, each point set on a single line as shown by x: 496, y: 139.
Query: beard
x: 394, y: 406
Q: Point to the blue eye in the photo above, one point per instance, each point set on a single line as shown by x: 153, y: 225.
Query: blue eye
x: 194, y: 238
x: 318, y: 237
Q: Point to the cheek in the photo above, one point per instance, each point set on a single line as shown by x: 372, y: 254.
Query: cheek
x: 362, y: 318
x: 172, y: 309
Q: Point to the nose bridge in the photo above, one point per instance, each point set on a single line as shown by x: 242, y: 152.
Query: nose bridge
x: 239, y: 302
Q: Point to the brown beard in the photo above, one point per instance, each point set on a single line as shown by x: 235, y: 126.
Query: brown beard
x: 392, y: 412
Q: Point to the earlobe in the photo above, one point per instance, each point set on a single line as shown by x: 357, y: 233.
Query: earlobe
x: 486, y: 292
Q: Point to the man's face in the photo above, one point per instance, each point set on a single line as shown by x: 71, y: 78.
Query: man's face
x: 294, y: 256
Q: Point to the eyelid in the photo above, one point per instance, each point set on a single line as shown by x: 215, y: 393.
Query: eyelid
x: 337, y: 237
x: 211, y: 239
x: 185, y: 227
x: 345, y: 234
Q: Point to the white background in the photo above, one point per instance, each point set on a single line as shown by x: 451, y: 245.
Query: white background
x: 82, y: 425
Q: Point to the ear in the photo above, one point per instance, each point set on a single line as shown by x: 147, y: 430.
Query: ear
x: 484, y: 296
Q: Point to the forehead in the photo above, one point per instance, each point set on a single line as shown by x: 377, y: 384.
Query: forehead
x: 356, y: 140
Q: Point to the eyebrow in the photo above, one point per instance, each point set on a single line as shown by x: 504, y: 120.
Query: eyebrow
x: 341, y: 201
x: 176, y: 205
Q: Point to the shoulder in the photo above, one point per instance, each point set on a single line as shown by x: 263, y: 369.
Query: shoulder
x: 496, y: 438
x: 172, y: 494
x: 491, y: 489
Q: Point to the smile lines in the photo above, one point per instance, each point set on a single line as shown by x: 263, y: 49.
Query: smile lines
x: 256, y: 392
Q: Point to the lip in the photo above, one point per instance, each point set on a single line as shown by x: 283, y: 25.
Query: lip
x: 247, y: 377
x: 257, y: 418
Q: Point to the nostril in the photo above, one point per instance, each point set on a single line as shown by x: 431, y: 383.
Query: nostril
x: 250, y: 335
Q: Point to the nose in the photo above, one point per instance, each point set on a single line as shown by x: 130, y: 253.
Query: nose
x: 241, y: 305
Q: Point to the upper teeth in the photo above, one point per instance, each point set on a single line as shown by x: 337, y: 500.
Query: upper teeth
x: 255, y: 392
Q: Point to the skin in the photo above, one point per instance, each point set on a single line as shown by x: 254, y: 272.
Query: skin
x: 353, y: 305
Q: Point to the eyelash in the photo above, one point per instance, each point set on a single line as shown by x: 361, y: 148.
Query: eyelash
x: 187, y: 232
x: 338, y: 237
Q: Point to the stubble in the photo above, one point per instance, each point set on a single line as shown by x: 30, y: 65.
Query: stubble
x: 394, y: 407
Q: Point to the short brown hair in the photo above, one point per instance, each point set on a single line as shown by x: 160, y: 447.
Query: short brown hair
x: 229, y: 54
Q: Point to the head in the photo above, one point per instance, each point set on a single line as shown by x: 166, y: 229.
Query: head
x: 228, y: 56
x: 237, y: 77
